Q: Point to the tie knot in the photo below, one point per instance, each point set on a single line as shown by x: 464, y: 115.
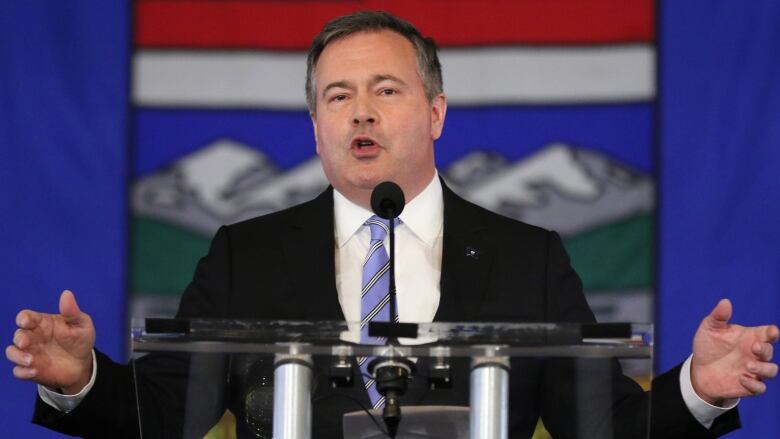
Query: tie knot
x: 379, y: 227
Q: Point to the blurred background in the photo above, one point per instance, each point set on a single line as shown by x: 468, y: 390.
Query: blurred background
x: 646, y: 132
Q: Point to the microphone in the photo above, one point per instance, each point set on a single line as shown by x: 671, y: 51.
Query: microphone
x: 391, y: 374
x: 387, y: 200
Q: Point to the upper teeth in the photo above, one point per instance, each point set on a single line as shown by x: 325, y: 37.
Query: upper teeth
x: 364, y: 142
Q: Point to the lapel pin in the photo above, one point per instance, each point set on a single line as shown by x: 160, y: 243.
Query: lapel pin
x: 472, y: 252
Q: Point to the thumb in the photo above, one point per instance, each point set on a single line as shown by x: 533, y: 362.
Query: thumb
x: 720, y: 315
x: 69, y: 309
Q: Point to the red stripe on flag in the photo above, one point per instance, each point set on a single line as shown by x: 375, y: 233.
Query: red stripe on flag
x: 291, y: 25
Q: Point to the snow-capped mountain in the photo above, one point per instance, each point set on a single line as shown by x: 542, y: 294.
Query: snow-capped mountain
x: 559, y: 187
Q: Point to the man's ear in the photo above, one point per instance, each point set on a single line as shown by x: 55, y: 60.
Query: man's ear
x: 313, y: 117
x: 438, y: 113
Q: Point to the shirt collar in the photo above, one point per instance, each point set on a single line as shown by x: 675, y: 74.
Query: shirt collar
x: 424, y: 215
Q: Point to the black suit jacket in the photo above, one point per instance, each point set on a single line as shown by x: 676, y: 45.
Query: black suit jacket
x: 281, y: 266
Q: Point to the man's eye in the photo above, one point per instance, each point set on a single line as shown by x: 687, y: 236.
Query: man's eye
x: 388, y: 91
x: 338, y: 98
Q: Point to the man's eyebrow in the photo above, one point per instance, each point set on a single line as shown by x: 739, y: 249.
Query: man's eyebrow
x: 376, y: 79
x: 386, y: 77
x: 337, y: 84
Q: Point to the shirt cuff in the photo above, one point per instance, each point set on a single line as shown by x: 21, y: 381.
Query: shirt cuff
x: 703, y: 411
x: 66, y: 403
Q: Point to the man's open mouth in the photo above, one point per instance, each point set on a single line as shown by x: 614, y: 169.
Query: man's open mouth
x: 363, y: 142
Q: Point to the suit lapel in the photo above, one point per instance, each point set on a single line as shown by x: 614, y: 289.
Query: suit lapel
x: 467, y: 255
x: 310, y: 254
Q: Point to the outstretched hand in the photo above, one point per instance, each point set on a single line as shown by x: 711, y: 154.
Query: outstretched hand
x: 731, y: 361
x: 54, y: 350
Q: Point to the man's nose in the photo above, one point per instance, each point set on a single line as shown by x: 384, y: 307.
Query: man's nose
x: 364, y: 112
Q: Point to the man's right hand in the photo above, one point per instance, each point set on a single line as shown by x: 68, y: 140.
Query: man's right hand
x: 54, y: 350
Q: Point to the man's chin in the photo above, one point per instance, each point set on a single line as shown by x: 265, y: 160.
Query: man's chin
x: 369, y: 182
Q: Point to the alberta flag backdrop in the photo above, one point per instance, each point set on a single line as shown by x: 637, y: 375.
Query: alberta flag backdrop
x: 647, y: 134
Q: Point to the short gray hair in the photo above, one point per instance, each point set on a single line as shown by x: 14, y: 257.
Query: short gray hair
x: 428, y: 66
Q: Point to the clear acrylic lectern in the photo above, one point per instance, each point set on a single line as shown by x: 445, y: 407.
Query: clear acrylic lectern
x: 295, y: 380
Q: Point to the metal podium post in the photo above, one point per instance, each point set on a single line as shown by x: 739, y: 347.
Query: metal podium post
x: 489, y: 399
x: 292, y: 396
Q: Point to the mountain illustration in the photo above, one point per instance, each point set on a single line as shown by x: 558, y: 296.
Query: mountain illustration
x: 560, y: 187
x: 223, y: 183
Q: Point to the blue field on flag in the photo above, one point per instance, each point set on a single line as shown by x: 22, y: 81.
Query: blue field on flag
x: 621, y: 131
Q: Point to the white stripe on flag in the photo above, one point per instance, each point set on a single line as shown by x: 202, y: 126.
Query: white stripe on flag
x: 509, y: 75
x: 549, y: 75
x: 219, y: 79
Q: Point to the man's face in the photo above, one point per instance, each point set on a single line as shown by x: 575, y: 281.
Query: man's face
x: 372, y: 121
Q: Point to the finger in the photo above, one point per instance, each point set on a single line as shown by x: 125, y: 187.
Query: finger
x: 720, y: 315
x: 763, y: 351
x: 763, y: 371
x: 21, y: 339
x: 17, y: 356
x: 28, y: 319
x: 25, y: 373
x: 754, y: 387
x: 772, y: 334
x: 69, y: 309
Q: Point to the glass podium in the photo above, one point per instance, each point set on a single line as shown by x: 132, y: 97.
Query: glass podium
x: 291, y: 380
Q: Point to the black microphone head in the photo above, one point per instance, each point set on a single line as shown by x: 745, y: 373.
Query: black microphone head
x: 387, y: 200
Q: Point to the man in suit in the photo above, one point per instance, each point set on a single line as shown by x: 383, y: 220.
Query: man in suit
x: 377, y: 106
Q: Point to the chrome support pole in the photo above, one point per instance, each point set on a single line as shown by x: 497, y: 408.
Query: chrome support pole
x: 489, y: 399
x: 292, y: 396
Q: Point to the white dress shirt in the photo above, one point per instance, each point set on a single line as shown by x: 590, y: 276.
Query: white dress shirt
x: 418, y: 247
x: 418, y: 254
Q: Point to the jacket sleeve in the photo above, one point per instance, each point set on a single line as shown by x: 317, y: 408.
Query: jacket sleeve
x: 165, y: 394
x: 592, y: 397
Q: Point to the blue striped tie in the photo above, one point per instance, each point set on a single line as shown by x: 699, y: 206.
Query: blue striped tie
x: 374, y: 304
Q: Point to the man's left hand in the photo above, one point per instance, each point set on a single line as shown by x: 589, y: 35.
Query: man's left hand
x: 731, y: 361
